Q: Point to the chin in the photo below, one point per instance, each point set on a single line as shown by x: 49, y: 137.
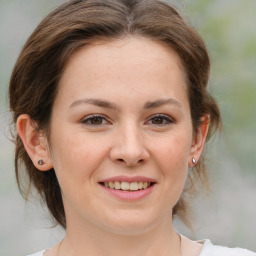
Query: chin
x: 130, y: 223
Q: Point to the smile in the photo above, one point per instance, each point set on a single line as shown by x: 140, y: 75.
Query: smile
x: 127, y: 186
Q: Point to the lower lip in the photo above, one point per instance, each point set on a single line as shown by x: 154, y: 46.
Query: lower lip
x: 129, y: 195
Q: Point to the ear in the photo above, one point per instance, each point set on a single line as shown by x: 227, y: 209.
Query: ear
x: 34, y: 142
x: 199, y: 141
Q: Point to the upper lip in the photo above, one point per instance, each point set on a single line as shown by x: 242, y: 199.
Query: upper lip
x: 129, y: 179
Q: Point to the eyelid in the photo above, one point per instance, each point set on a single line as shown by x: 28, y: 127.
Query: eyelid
x: 106, y: 121
x: 89, y: 117
x: 164, y: 116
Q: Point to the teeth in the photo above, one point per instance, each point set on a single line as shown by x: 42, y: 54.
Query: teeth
x: 117, y: 185
x: 134, y: 186
x: 145, y: 185
x: 111, y: 184
x: 123, y: 185
x: 140, y: 185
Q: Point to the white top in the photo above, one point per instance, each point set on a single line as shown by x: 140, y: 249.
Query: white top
x: 215, y: 250
x: 208, y: 250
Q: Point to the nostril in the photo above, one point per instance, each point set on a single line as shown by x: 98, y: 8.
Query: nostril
x: 123, y: 161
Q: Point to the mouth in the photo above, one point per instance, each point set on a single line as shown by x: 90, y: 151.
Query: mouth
x: 127, y: 186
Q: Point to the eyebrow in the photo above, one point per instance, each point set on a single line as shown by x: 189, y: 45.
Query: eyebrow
x: 96, y: 102
x: 161, y: 102
x: 107, y: 104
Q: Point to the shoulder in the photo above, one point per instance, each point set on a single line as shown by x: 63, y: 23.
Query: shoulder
x: 215, y: 250
x: 41, y: 253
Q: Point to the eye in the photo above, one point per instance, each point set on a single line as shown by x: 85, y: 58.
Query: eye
x: 95, y: 120
x: 161, y: 120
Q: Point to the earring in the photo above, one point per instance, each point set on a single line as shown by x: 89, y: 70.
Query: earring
x: 40, y: 162
x: 193, y: 160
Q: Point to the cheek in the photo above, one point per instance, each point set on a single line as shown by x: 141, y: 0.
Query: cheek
x: 172, y: 156
x: 174, y: 170
x: 173, y: 151
x: 76, y: 156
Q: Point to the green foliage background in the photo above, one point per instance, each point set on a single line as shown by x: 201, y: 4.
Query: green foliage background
x: 230, y: 32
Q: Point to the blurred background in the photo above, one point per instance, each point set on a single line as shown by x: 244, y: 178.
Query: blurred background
x: 227, y: 215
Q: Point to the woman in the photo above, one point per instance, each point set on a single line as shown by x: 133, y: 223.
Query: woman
x: 111, y: 107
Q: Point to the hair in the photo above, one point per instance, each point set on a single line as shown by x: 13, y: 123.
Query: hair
x: 75, y: 24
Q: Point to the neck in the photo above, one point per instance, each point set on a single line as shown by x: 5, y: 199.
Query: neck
x: 161, y: 240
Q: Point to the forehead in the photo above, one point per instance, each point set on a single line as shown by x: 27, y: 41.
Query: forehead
x: 128, y: 64
x: 127, y: 51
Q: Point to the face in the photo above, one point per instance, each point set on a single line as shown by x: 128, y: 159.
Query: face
x: 121, y: 135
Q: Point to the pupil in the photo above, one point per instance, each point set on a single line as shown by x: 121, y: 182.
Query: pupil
x: 158, y: 120
x: 96, y: 120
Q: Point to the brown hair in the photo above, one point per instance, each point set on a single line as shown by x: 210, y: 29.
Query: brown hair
x: 34, y: 81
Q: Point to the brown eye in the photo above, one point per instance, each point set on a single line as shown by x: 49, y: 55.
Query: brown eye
x: 160, y: 120
x: 94, y: 120
x: 157, y: 120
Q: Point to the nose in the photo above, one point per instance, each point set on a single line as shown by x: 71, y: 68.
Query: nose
x: 128, y: 147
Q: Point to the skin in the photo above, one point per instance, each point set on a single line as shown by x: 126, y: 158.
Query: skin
x: 128, y: 137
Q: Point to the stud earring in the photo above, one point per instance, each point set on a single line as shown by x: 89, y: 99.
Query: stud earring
x: 193, y: 160
x: 40, y: 162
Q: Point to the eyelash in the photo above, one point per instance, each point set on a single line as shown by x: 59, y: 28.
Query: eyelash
x: 164, y: 118
x: 88, y: 120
